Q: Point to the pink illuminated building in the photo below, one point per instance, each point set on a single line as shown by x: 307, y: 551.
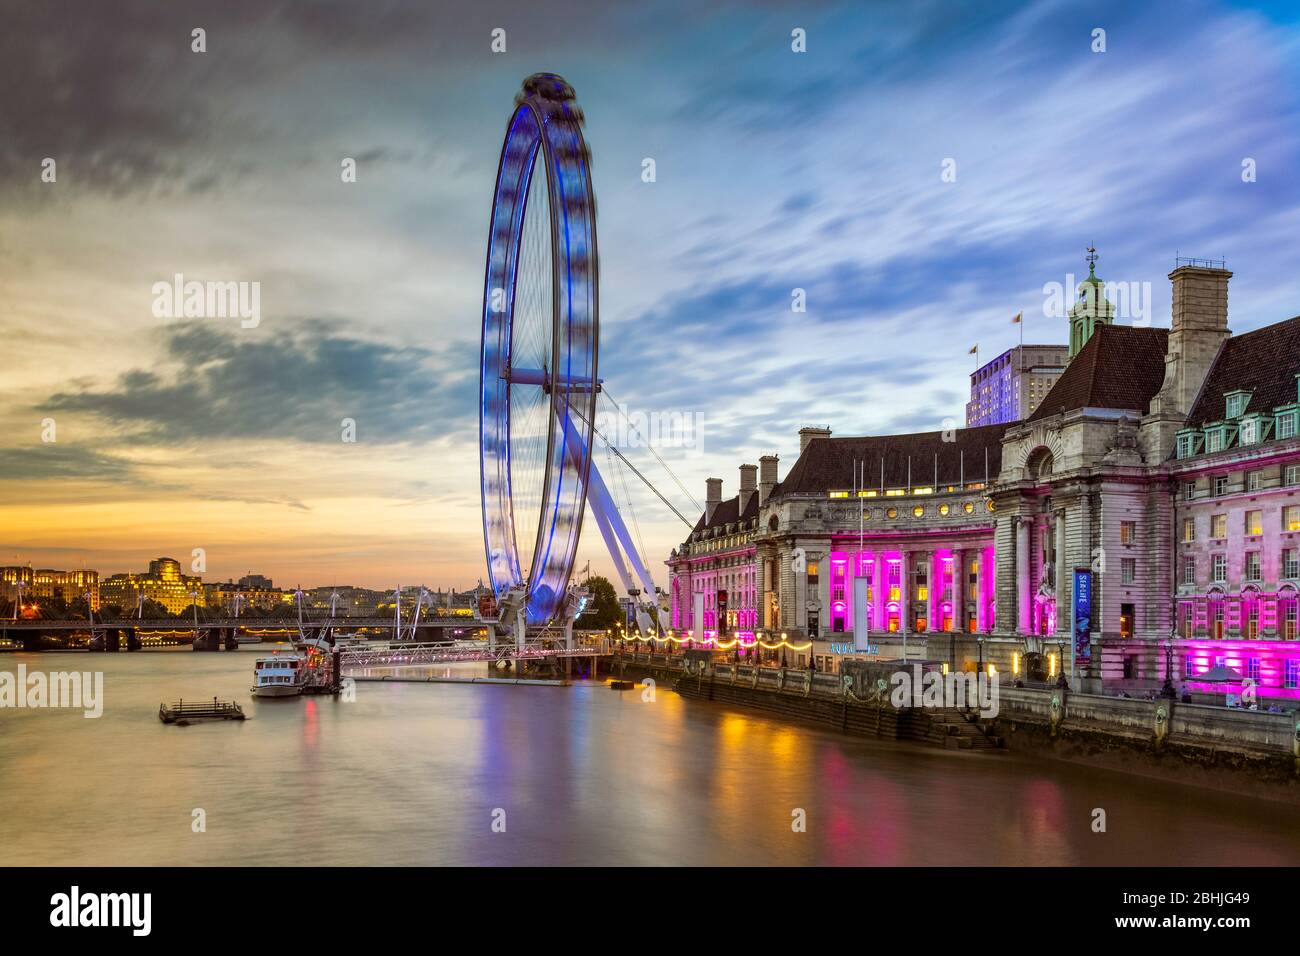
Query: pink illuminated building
x: 1161, y: 470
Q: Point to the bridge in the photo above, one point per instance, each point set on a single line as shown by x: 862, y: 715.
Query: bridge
x: 243, y: 623
x: 408, y: 653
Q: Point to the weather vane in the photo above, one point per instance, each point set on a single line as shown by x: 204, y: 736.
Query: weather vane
x: 1091, y: 257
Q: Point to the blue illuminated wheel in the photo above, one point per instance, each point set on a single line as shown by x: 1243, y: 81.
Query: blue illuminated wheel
x: 537, y: 372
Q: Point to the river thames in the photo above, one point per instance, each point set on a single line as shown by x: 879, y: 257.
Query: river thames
x: 418, y: 773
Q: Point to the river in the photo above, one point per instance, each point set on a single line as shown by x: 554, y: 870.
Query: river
x: 420, y: 773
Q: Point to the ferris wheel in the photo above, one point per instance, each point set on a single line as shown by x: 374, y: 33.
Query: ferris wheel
x: 537, y: 374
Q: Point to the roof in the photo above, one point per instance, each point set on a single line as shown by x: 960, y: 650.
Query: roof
x: 1120, y: 366
x: 1264, y: 362
x: 728, y: 511
x: 827, y: 464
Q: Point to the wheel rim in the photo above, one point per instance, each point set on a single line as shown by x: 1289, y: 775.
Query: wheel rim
x: 538, y: 360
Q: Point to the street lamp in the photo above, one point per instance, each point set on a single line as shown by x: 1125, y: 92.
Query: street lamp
x: 1168, y: 691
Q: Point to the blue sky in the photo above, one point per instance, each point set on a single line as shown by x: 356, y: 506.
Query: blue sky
x: 775, y: 170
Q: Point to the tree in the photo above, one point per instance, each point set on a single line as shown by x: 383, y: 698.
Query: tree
x: 603, y: 610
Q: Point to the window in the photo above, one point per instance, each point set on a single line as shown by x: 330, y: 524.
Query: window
x: 1291, y: 563
x: 1126, y: 615
x: 1285, y: 427
x: 1127, y: 532
x: 891, y: 513
x: 1249, y: 432
x: 1252, y: 668
x: 918, y: 512
x: 1252, y: 565
x: 943, y: 510
x: 1255, y: 522
x: 1292, y: 475
x: 968, y: 507
x: 1220, y: 567
x: 1189, y: 529
x: 1254, y: 480
x: 1291, y: 518
x: 839, y: 494
x: 1189, y: 570
x: 1128, y: 570
x: 1189, y: 666
x: 1218, y: 526
x: 1189, y: 490
x: 1290, y: 612
x: 1220, y: 486
x: 1186, y: 446
x: 812, y: 572
x: 1213, y: 440
x: 1236, y: 403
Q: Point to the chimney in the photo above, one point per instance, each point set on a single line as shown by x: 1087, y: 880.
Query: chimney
x: 808, y: 433
x: 712, y: 497
x: 1199, y: 328
x: 748, y: 478
x: 767, y: 477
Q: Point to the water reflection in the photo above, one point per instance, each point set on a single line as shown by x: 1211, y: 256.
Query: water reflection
x: 412, y: 773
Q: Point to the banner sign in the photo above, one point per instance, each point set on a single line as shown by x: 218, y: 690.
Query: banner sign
x: 861, y: 624
x: 697, y: 614
x: 722, y: 612
x: 1082, y: 615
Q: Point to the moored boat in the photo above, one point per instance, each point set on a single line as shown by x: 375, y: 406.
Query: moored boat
x: 280, y: 675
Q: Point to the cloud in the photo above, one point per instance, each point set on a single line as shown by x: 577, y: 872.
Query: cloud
x: 295, y: 387
x: 45, y: 462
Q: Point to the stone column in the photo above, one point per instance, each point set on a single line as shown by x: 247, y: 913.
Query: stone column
x: 958, y: 590
x: 981, y: 606
x: 823, y: 559
x: 931, y: 584
x: 1062, y: 577
x: 904, y: 591
x: 1023, y: 625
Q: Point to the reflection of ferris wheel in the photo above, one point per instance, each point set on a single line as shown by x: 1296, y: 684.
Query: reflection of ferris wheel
x: 538, y: 384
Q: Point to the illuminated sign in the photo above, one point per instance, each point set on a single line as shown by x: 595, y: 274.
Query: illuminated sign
x: 1082, y: 615
x: 842, y: 649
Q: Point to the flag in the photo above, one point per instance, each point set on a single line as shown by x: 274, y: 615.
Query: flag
x: 974, y: 350
x: 1016, y: 320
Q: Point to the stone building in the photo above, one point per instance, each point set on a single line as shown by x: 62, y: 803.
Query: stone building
x: 163, y: 583
x: 717, y: 559
x: 1162, y: 469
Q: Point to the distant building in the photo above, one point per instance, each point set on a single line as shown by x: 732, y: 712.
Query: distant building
x: 247, y: 594
x: 46, y: 583
x: 1010, y: 388
x: 163, y: 583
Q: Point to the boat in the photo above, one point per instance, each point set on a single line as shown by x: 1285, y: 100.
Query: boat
x: 280, y: 675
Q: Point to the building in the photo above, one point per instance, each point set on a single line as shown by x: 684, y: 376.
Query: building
x: 163, y: 584
x: 1235, y: 480
x: 1142, y: 520
x: 1009, y: 388
x: 251, y: 591
x: 716, y: 561
x: 907, y: 512
x: 1159, y: 465
x: 47, y: 583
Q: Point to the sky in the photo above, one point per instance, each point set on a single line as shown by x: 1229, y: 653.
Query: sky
x: 920, y: 171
